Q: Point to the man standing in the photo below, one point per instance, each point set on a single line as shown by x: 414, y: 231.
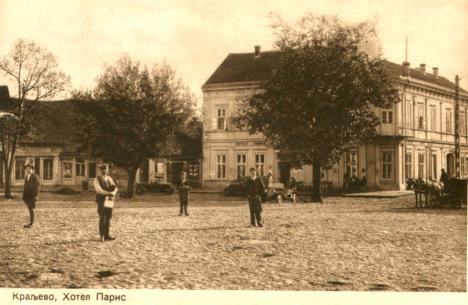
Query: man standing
x: 183, y: 188
x: 443, y: 176
x: 104, y: 187
x: 30, y: 192
x: 254, y: 190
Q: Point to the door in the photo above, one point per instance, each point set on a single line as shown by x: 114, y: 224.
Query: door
x: 1, y: 170
x: 144, y: 172
x: 177, y: 168
x: 450, y: 165
x: 284, y: 170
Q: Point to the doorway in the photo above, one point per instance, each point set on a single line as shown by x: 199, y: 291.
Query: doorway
x: 144, y: 172
x: 174, y: 170
x: 450, y: 165
x: 1, y: 170
x: 284, y: 173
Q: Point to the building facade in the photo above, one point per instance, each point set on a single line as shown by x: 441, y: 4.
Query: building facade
x: 416, y: 137
x: 52, y: 149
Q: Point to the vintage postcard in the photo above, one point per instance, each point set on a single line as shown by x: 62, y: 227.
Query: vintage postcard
x: 233, y: 152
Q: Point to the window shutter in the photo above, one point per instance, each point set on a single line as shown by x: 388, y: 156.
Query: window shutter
x: 214, y: 124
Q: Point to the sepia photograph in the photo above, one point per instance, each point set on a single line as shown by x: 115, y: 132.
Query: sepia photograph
x: 233, y: 152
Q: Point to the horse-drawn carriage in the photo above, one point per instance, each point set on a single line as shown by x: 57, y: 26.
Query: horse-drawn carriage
x: 430, y: 193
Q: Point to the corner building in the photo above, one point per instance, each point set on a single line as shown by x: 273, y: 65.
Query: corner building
x: 416, y: 137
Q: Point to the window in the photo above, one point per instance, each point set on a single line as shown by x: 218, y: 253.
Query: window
x: 241, y: 165
x: 408, y: 165
x: 67, y: 169
x: 193, y: 170
x: 92, y: 169
x: 462, y: 125
x: 433, y: 171
x: 448, y: 120
x: 387, y: 165
x: 221, y: 118
x: 80, y: 168
x: 462, y: 166
x: 421, y: 165
x: 260, y: 164
x: 387, y: 114
x: 433, y: 114
x: 48, y: 169
x: 409, y: 115
x: 466, y: 167
x: 221, y: 166
x: 351, y: 163
x: 19, y: 168
x: 37, y: 165
x: 159, y: 168
x: 420, y: 116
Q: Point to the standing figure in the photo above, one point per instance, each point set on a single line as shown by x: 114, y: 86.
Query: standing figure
x: 30, y: 192
x: 443, y: 176
x: 254, y: 190
x: 105, y: 192
x: 183, y: 188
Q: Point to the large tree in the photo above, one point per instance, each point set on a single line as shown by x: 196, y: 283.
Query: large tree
x: 35, y: 73
x: 132, y: 114
x: 322, y: 94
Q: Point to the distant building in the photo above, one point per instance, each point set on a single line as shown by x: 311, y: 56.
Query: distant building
x: 52, y: 147
x: 415, y: 137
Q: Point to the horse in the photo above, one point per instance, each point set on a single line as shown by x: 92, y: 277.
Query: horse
x: 432, y: 190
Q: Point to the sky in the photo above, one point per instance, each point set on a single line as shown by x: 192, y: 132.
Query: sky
x: 195, y: 36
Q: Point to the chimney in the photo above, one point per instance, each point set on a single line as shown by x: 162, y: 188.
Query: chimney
x: 257, y: 51
x: 435, y: 72
x: 405, y: 71
x: 423, y: 68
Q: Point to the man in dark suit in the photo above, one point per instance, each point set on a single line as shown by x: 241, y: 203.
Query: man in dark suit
x: 30, y: 192
x: 254, y: 190
x: 183, y: 186
x: 104, y: 187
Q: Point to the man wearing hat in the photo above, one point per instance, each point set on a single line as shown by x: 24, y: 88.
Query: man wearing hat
x: 30, y: 191
x: 104, y: 187
x: 254, y: 190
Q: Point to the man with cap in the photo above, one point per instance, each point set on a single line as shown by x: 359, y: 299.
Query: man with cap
x: 30, y: 192
x: 104, y: 187
x: 254, y: 189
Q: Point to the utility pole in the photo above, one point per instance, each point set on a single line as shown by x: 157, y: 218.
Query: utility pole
x: 457, y: 126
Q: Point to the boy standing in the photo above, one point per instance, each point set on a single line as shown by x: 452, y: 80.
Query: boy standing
x: 183, y: 188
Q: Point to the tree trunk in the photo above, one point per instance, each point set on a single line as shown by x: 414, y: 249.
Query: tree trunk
x: 8, y: 158
x: 131, y: 181
x: 8, y: 182
x: 8, y: 151
x: 316, y: 177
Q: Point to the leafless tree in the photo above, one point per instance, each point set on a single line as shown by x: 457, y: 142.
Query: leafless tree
x: 36, y: 75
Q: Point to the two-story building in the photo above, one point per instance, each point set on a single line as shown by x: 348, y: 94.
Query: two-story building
x: 416, y: 137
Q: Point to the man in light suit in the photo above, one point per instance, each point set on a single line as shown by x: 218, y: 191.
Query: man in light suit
x: 30, y: 192
x: 104, y: 187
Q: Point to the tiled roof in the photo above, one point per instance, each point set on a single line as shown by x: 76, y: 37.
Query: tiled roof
x: 52, y: 125
x: 245, y: 67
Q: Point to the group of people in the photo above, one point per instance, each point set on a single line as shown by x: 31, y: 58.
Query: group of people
x: 106, y: 191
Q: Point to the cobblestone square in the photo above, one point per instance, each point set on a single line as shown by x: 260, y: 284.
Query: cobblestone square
x: 342, y: 244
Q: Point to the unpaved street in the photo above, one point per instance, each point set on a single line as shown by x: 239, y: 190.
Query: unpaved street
x: 343, y: 244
